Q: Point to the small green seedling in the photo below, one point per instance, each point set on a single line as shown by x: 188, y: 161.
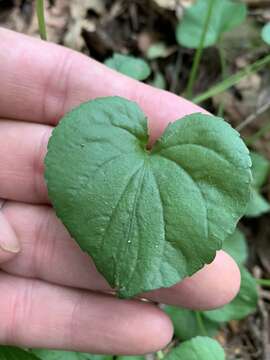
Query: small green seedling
x: 260, y: 171
x: 226, y: 15
x: 266, y: 33
x: 148, y: 218
x: 131, y: 66
x: 198, y: 348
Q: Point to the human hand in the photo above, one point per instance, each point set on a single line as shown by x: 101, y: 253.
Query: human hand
x: 51, y: 294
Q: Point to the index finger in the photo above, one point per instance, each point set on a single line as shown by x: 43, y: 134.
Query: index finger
x: 41, y: 81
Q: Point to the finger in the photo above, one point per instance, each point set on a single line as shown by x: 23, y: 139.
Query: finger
x: 42, y: 88
x: 50, y: 254
x: 23, y: 149
x: 9, y: 243
x: 62, y: 318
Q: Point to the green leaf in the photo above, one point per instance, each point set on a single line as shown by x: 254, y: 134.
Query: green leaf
x: 260, y: 169
x: 257, y: 205
x: 131, y: 66
x: 157, y: 50
x: 158, y: 81
x: 236, y: 246
x: 266, y: 33
x: 44, y: 354
x: 198, y: 348
x: 226, y: 15
x: 13, y: 353
x: 244, y: 304
x: 186, y: 324
x: 147, y: 218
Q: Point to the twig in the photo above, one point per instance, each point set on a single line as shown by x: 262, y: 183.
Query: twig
x: 253, y: 116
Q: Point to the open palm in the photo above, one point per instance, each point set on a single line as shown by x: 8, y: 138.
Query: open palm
x: 51, y: 294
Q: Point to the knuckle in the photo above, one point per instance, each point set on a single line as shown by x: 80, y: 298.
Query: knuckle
x: 56, y: 88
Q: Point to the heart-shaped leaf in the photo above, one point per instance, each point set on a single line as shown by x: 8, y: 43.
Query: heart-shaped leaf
x: 226, y: 14
x: 147, y: 218
x: 198, y: 348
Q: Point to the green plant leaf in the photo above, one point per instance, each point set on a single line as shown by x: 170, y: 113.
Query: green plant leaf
x: 198, y: 348
x: 147, y: 218
x: 236, y: 246
x: 226, y: 16
x: 266, y: 33
x: 131, y: 66
x: 186, y: 325
x: 158, y: 81
x: 260, y: 169
x: 157, y: 50
x: 44, y: 354
x: 244, y: 304
x: 14, y: 353
x: 257, y: 205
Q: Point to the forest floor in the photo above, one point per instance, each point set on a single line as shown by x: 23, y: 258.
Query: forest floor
x: 99, y: 28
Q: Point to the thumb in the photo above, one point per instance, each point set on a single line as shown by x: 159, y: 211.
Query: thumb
x: 9, y: 244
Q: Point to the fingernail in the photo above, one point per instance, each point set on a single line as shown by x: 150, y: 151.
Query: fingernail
x: 11, y: 247
x: 8, y: 239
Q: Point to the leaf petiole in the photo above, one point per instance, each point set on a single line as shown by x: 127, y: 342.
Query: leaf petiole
x: 200, y: 323
x: 263, y: 282
x: 41, y: 19
x: 198, y: 54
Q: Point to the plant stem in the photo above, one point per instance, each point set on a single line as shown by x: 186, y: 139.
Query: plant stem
x: 41, y: 19
x: 263, y: 282
x: 223, y: 75
x: 198, y: 54
x: 160, y: 355
x: 200, y: 323
x: 232, y: 80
